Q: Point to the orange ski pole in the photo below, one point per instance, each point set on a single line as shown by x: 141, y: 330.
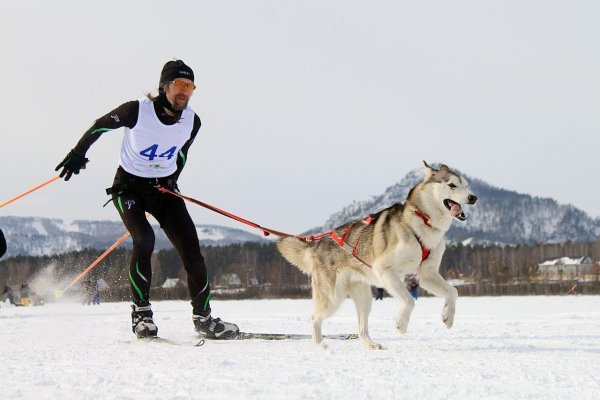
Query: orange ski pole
x: 58, y: 293
x: 29, y: 191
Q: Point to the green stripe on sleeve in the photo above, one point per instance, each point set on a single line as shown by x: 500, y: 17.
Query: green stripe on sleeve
x: 100, y: 130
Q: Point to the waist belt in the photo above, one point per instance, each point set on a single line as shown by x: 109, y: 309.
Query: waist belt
x: 125, y: 181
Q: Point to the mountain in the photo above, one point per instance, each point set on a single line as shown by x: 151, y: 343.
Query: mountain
x: 500, y: 216
x: 37, y: 236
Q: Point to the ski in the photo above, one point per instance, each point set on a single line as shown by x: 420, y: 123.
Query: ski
x: 283, y: 336
x: 158, y: 339
x: 175, y: 343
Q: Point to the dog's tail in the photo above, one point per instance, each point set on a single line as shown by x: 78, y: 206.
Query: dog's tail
x: 297, y: 252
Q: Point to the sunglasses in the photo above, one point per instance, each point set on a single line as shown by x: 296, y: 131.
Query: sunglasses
x: 180, y: 85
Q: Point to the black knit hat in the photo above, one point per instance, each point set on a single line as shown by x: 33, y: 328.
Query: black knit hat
x: 173, y: 70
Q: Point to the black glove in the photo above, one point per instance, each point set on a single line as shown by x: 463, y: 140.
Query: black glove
x: 72, y: 164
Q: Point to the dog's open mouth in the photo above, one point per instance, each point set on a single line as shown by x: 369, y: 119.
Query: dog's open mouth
x: 455, y: 209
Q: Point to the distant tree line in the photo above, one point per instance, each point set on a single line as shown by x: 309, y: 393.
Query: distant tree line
x: 262, y: 272
x: 505, y: 263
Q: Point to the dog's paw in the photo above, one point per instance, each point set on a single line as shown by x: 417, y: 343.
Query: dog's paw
x: 321, y: 346
x: 402, y: 325
x: 448, y: 315
x: 374, y: 346
x: 369, y: 344
x: 318, y: 342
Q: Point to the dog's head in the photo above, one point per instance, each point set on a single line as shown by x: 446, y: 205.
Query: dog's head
x: 451, y: 189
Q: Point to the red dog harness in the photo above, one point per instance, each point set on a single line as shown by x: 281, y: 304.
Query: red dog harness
x: 353, y: 251
x: 424, y: 250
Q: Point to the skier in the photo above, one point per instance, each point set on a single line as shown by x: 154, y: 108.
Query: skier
x: 10, y: 294
x: 25, y: 294
x: 91, y: 292
x: 2, y: 243
x: 159, y: 131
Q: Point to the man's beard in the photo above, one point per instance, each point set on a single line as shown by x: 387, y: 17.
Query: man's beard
x: 180, y: 105
x: 173, y: 112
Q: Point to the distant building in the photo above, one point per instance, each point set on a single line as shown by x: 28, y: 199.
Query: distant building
x: 568, y: 269
x: 230, y: 280
x: 171, y: 283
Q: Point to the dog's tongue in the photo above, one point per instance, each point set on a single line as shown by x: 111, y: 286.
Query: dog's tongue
x: 455, y: 210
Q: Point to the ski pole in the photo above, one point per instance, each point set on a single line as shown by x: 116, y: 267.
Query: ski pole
x: 29, y: 191
x: 59, y: 293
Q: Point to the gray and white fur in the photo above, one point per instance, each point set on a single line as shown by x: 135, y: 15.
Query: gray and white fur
x: 390, y: 246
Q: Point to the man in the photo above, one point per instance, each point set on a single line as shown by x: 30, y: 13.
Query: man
x: 10, y: 295
x: 2, y: 243
x: 158, y: 134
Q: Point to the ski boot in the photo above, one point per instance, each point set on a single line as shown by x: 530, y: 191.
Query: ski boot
x: 141, y: 322
x: 214, y: 328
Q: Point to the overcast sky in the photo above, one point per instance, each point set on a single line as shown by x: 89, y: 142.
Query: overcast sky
x: 307, y: 105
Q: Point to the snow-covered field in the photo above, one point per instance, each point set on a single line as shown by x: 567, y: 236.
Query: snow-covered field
x: 499, y: 348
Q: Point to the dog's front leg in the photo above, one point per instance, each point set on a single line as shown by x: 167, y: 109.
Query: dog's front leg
x: 434, y: 283
x: 394, y: 283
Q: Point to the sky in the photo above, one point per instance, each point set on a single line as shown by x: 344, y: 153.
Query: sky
x: 307, y: 106
x: 526, y: 347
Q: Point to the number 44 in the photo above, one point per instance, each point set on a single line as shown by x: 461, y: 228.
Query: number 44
x: 151, y: 151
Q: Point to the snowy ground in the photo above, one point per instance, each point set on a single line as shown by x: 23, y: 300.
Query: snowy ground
x: 499, y: 348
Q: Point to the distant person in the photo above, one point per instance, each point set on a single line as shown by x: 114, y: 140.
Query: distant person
x: 25, y: 294
x: 92, y: 294
x: 379, y: 295
x: 95, y: 293
x: 10, y: 294
x: 159, y: 131
x: 2, y: 243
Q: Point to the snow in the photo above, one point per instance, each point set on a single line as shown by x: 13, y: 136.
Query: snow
x: 500, y: 348
x: 566, y: 261
x: 37, y: 225
x: 210, y: 233
x: 67, y: 225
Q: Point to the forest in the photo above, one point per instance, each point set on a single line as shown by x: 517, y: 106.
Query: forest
x: 254, y: 270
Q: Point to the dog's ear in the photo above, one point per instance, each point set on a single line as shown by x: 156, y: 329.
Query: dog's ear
x: 429, y: 171
x: 444, y: 167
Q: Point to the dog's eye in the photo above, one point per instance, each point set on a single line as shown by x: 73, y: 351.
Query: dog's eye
x: 452, y: 185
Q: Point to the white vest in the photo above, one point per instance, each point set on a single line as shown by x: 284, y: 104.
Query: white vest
x: 150, y: 148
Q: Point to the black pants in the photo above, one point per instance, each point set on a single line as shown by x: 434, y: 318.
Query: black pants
x: 133, y: 200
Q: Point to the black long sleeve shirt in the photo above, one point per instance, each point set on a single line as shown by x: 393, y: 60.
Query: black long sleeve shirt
x: 126, y: 115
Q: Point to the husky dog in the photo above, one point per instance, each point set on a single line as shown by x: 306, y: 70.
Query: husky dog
x: 380, y: 250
